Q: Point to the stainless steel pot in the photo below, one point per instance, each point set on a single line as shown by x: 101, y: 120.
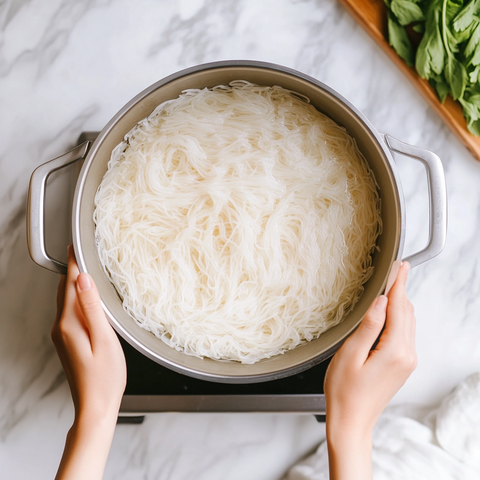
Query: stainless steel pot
x: 376, y: 147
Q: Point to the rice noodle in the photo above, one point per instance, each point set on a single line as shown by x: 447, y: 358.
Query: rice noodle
x: 237, y: 222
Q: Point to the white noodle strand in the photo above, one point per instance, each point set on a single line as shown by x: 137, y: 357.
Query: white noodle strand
x: 237, y: 222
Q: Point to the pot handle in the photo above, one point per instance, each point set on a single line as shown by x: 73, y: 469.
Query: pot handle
x: 437, y: 198
x: 36, y: 207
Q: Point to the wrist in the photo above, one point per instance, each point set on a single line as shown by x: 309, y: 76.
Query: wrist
x: 349, y: 441
x: 86, y: 449
x: 90, y: 413
x: 345, y: 433
x: 91, y: 423
x: 349, y: 451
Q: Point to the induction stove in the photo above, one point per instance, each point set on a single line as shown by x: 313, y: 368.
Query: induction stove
x: 153, y: 388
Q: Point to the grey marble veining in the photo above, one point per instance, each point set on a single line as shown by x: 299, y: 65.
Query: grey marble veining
x: 68, y: 66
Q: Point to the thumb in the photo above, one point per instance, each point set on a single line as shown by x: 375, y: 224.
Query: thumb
x: 364, y: 337
x: 91, y: 306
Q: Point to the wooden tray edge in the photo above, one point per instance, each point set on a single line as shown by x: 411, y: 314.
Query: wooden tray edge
x: 370, y: 18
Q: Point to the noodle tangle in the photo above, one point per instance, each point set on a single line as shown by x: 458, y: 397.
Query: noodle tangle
x: 237, y: 222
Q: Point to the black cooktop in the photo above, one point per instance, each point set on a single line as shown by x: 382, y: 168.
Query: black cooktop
x: 146, y: 377
x: 152, y: 388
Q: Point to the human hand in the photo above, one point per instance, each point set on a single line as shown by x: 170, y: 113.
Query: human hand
x: 360, y: 382
x: 95, y: 368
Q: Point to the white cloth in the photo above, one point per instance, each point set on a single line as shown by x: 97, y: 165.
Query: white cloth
x: 416, y: 443
x: 458, y: 422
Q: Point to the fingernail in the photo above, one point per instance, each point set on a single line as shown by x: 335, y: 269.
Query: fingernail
x: 381, y: 302
x: 84, y: 283
x: 407, y: 265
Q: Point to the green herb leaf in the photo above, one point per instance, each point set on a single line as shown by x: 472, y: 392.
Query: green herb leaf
x: 472, y: 89
x: 456, y: 76
x: 430, y: 55
x: 475, y: 60
x: 436, y: 51
x: 464, y: 35
x: 474, y: 74
x: 465, y: 17
x: 422, y: 58
x: 406, y: 11
x: 419, y: 28
x: 440, y: 87
x: 472, y: 115
x: 451, y: 8
x: 398, y: 39
x: 473, y: 41
x: 448, y: 55
x: 474, y: 127
x: 474, y: 100
x: 470, y: 111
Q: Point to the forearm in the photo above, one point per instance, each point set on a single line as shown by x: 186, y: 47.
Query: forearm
x: 349, y: 454
x: 86, y: 450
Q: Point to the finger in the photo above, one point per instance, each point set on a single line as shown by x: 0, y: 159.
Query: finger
x: 392, y: 275
x: 361, y: 341
x: 400, y: 311
x: 71, y: 326
x: 70, y: 290
x: 91, y: 307
x: 72, y: 271
x: 399, y: 333
x: 398, y: 287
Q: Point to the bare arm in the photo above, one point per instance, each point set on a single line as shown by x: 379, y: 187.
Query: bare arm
x: 360, y: 382
x: 94, y: 364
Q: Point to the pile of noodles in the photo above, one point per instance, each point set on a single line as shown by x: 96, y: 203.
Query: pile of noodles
x: 237, y: 222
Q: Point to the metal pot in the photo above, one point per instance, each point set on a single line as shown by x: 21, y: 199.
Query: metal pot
x: 376, y: 148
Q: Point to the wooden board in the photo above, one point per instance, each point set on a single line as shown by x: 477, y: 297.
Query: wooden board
x: 372, y: 16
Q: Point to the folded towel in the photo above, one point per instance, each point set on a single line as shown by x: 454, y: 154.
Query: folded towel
x: 418, y: 443
x: 458, y: 422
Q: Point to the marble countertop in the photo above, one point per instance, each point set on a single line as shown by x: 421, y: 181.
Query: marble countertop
x: 68, y: 66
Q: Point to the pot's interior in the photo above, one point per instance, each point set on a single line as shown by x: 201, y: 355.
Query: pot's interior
x: 140, y: 107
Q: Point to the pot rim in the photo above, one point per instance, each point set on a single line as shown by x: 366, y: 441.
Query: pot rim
x: 252, y: 378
